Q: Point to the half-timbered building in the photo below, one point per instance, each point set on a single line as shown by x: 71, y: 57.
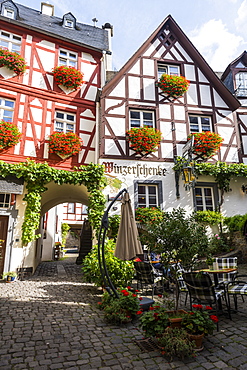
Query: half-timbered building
x: 39, y: 106
x: 132, y: 98
x: 235, y: 78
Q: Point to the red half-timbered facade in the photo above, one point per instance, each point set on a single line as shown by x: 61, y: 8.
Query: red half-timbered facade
x: 38, y: 106
x: 34, y: 100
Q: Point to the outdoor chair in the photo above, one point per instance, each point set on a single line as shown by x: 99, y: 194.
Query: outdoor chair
x: 182, y: 287
x: 147, y: 276
x: 226, y: 262
x: 202, y: 290
x: 237, y: 287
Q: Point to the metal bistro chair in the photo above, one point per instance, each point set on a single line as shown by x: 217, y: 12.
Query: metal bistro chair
x: 202, y: 290
x: 237, y: 287
x: 146, y: 275
x: 224, y: 263
x: 182, y: 287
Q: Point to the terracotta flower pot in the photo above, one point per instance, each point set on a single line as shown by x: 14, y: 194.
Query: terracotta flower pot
x: 175, y: 322
x: 197, y: 339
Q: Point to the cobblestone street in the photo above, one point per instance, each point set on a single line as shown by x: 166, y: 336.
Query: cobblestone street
x: 51, y: 321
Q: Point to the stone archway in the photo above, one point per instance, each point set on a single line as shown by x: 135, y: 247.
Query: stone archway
x: 54, y: 196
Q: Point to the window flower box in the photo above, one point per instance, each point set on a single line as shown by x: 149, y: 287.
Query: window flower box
x: 144, y: 140
x: 68, y: 77
x: 206, y: 144
x: 173, y: 86
x: 64, y: 144
x: 9, y: 135
x: 12, y: 61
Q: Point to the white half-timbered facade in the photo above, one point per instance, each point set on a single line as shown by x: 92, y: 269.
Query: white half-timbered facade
x: 133, y: 99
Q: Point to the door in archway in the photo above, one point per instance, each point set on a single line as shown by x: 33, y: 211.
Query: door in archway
x: 3, y: 236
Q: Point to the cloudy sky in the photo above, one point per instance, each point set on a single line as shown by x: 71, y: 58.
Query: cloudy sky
x: 218, y: 28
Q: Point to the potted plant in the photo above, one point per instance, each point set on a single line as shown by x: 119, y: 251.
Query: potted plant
x: 199, y: 323
x: 120, y: 310
x: 206, y: 144
x: 173, y: 86
x: 179, y: 239
x: 154, y: 321
x: 144, y: 140
x: 10, y: 276
x: 65, y: 144
x: 9, y: 135
x: 175, y: 343
x: 68, y: 77
x: 148, y: 215
x: 12, y: 61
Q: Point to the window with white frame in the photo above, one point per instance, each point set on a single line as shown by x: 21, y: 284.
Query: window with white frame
x: 71, y: 208
x: 65, y: 122
x: 6, y: 109
x: 141, y: 118
x: 147, y: 195
x: 4, y: 200
x: 67, y: 58
x: 9, y: 13
x: 10, y: 41
x: 241, y: 83
x: 204, y: 198
x: 200, y: 123
x: 68, y: 23
x: 168, y: 69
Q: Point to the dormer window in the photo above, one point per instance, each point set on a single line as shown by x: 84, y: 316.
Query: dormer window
x: 69, y: 21
x: 8, y: 9
x: 9, y: 13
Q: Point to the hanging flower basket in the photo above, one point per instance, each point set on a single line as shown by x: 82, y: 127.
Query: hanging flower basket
x: 9, y: 135
x: 206, y: 144
x: 68, y: 77
x: 144, y: 139
x: 64, y: 145
x: 12, y: 61
x: 173, y: 86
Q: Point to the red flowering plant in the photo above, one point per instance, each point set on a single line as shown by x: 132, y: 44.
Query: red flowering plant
x: 199, y: 321
x: 12, y: 61
x: 173, y: 86
x: 206, y: 143
x: 69, y: 77
x: 144, y: 139
x: 9, y: 134
x: 148, y: 215
x: 154, y: 321
x: 64, y: 144
x: 123, y: 309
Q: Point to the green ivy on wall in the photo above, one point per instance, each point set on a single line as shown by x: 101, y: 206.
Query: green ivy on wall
x: 221, y: 171
x: 37, y: 175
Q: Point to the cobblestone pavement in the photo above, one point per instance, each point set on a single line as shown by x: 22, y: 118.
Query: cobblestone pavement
x: 51, y: 321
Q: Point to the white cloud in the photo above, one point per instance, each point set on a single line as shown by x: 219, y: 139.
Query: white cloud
x: 217, y: 45
x: 240, y: 21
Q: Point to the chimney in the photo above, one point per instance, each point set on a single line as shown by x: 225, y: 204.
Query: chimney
x: 47, y: 8
x: 108, y: 56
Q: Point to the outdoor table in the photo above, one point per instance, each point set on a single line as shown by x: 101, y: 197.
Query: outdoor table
x: 218, y: 271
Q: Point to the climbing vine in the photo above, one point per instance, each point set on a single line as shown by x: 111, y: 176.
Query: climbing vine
x: 38, y: 175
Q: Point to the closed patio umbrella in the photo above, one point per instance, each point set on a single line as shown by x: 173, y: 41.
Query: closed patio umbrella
x: 128, y: 245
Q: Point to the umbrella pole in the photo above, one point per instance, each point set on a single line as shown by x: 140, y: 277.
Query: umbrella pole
x: 101, y: 247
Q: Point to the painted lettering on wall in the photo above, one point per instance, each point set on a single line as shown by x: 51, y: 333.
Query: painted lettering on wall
x: 136, y: 170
